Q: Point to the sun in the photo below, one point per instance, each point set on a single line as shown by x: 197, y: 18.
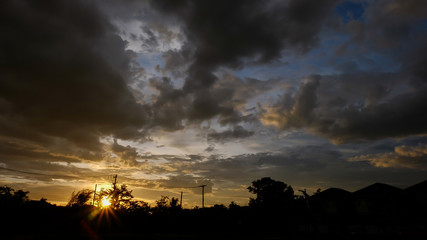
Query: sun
x: 105, y: 202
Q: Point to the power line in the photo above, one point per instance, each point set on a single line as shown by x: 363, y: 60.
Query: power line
x: 49, y: 175
x: 26, y: 172
x: 203, y: 193
x: 114, y: 176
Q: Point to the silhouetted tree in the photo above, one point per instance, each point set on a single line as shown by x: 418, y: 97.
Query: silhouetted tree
x: 8, y: 196
x: 162, y: 203
x: 174, y: 203
x: 119, y: 197
x: 6, y: 193
x: 80, y: 198
x: 219, y: 207
x: 271, y: 194
x: 305, y: 195
x: 122, y: 197
x: 317, y: 191
x: 139, y: 207
x: 303, y: 199
x: 165, y: 204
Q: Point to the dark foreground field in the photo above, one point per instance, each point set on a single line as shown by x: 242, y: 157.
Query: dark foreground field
x: 88, y: 222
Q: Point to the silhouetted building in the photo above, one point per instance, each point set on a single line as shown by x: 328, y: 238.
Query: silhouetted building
x: 377, y: 199
x: 332, y: 201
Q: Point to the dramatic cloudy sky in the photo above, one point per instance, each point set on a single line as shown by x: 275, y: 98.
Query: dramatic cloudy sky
x: 172, y: 94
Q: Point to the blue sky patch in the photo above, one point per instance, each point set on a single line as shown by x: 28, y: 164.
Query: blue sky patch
x: 350, y: 10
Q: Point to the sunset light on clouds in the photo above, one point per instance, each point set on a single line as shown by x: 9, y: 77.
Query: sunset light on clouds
x: 171, y: 95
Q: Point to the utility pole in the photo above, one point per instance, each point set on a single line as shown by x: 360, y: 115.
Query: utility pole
x: 115, y: 196
x: 115, y: 181
x: 94, y: 194
x: 203, y: 195
x: 181, y: 200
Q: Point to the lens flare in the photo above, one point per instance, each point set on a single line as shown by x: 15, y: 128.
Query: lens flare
x: 105, y: 202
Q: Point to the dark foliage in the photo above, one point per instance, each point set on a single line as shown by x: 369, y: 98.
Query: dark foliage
x: 80, y: 198
x: 271, y: 194
x: 377, y: 212
x: 8, y: 196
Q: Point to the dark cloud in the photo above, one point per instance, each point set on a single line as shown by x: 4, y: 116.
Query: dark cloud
x: 403, y: 156
x: 49, y: 172
x: 395, y: 29
x: 242, y: 29
x: 126, y: 154
x: 234, y: 94
x: 353, y: 107
x: 64, y: 77
x: 210, y: 148
x: 295, y: 162
x: 315, y: 166
x: 303, y: 159
x: 391, y: 23
x: 176, y: 62
x: 170, y: 105
x: 13, y: 151
x: 228, y: 34
x: 366, y: 102
x: 416, y: 63
x: 304, y: 166
x: 227, y: 99
x: 149, y: 40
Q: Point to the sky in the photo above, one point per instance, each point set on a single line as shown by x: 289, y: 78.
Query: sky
x: 172, y: 94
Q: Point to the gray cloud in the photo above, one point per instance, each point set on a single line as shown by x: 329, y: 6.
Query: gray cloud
x: 303, y: 167
x: 170, y: 105
x: 227, y: 99
x: 295, y: 162
x: 385, y: 25
x: 394, y: 29
x: 413, y: 157
x: 237, y: 32
x: 240, y: 30
x: 187, y: 182
x: 176, y: 62
x: 126, y: 154
x: 393, y: 21
x: 357, y: 107
x: 49, y: 172
x: 210, y: 148
x: 236, y: 133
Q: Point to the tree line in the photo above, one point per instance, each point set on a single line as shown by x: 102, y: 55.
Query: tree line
x: 377, y: 210
x: 269, y: 194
